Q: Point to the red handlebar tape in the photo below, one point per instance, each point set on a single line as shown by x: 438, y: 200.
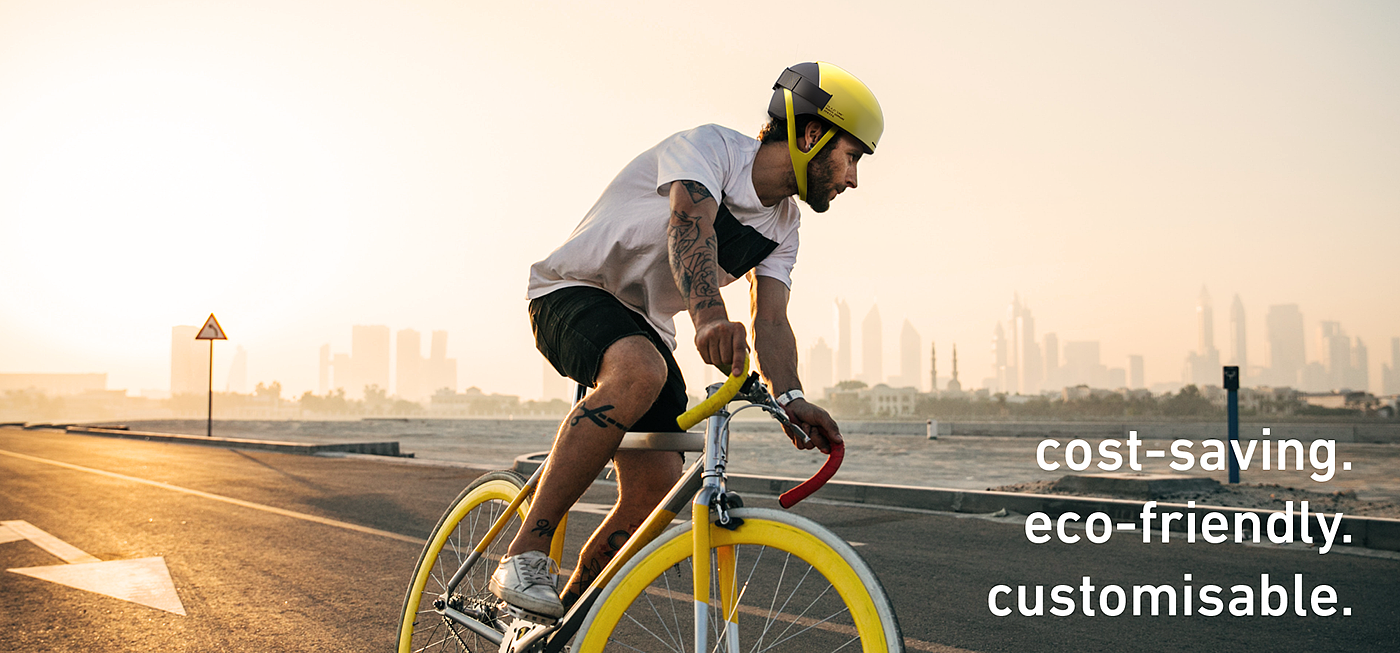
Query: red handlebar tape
x: 833, y: 463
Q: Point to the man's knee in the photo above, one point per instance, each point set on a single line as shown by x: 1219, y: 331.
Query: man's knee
x: 634, y: 365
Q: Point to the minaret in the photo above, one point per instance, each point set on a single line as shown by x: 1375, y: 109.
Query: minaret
x: 953, y: 386
x: 933, y: 367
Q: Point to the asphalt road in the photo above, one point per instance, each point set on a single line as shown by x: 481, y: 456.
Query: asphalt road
x: 290, y: 553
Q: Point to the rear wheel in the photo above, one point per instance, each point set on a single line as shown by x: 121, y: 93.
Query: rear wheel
x: 467, y: 520
x: 779, y: 582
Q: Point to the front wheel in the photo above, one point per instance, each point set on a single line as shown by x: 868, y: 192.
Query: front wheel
x: 779, y: 583
x: 466, y: 521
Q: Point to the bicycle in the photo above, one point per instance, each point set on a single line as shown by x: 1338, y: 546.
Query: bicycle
x: 772, y: 580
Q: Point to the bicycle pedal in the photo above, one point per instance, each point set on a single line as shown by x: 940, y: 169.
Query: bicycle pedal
x: 521, y: 614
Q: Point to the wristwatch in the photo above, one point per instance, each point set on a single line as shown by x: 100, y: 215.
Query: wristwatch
x: 789, y: 397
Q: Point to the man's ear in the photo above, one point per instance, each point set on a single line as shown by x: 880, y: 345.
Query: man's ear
x: 811, y: 134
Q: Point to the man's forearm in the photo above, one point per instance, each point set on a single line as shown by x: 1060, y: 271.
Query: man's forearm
x: 693, y: 250
x: 776, y: 346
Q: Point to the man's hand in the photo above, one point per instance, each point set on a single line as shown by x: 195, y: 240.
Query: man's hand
x: 816, y: 422
x: 722, y: 343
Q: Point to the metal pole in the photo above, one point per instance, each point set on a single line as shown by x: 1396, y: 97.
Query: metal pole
x: 209, y: 425
x: 1234, y: 417
x: 1232, y: 403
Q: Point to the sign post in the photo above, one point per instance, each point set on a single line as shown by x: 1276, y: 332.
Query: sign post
x: 1232, y: 387
x: 211, y: 331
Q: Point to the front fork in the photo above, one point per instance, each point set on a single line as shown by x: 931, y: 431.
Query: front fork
x: 713, y: 497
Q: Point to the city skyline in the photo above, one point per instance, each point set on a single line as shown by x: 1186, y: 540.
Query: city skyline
x: 302, y: 171
x: 1336, y: 361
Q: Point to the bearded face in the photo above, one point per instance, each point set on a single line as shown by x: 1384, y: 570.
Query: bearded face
x: 821, y: 179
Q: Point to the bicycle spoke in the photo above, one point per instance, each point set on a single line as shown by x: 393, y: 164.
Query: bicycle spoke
x: 799, y: 611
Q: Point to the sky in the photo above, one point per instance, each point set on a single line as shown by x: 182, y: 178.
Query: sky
x: 297, y: 168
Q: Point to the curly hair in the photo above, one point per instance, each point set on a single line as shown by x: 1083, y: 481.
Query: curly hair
x: 776, y: 129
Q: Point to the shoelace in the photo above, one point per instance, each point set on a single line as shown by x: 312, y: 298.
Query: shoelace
x: 536, y: 572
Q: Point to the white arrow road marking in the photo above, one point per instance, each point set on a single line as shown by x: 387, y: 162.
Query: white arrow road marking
x: 8, y: 535
x: 145, y: 580
x: 65, y: 551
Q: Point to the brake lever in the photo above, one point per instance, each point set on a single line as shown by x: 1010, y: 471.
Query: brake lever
x: 757, y: 395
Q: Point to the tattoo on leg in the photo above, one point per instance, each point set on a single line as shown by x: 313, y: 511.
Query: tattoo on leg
x: 615, y: 543
x: 591, y: 569
x: 597, y: 415
x: 544, y: 529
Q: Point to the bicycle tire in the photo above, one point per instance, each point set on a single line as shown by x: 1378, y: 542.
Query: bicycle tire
x: 459, y: 529
x: 782, y: 604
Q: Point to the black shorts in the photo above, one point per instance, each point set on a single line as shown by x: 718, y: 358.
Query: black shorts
x: 573, y: 327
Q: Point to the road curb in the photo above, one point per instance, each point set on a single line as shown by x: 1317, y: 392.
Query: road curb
x: 370, y: 448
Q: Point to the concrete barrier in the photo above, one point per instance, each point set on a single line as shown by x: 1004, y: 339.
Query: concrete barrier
x: 370, y: 448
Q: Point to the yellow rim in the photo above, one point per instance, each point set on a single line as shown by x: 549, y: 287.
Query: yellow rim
x: 497, y: 490
x: 864, y: 615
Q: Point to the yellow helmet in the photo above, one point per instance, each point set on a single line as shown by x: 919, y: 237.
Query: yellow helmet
x: 827, y: 91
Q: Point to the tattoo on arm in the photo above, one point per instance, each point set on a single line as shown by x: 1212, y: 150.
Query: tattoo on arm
x: 598, y: 416
x: 693, y: 262
x: 697, y: 190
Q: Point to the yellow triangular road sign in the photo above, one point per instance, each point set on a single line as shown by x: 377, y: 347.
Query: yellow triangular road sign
x: 211, y: 330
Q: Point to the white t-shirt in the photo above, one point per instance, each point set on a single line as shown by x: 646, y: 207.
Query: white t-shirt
x: 621, y: 244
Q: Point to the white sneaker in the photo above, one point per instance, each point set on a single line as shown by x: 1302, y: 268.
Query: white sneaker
x: 527, y: 581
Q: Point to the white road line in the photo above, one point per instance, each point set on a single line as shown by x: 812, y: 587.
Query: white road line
x: 215, y: 497
x: 65, y: 551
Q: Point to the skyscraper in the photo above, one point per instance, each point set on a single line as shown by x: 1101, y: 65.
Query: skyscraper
x: 343, y: 374
x: 1284, y: 323
x: 1136, y: 377
x: 1360, y: 368
x: 910, y: 360
x: 999, y: 356
x: 1334, y: 348
x: 1025, y: 353
x: 189, y: 362
x: 1203, y: 365
x: 872, y: 351
x: 843, y: 341
x: 1083, y: 366
x: 441, y: 372
x: 369, y: 356
x: 1239, y: 354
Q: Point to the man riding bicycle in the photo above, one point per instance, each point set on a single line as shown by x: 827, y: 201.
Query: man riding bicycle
x: 601, y: 305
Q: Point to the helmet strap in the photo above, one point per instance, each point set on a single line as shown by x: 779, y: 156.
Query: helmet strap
x: 800, y: 159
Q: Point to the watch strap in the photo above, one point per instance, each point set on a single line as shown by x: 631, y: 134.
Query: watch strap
x: 789, y: 397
